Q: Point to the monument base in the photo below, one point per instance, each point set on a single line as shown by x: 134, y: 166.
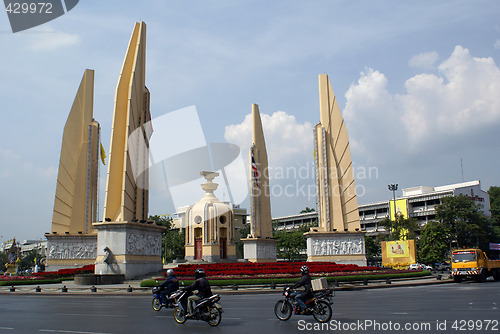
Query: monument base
x: 339, y: 247
x: 70, y: 251
x: 259, y: 250
x: 126, y: 248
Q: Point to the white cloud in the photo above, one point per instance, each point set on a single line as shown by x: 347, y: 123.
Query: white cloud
x: 7, y: 154
x: 369, y: 113
x: 424, y: 60
x: 49, y: 40
x: 286, y: 139
x: 496, y: 45
x: 461, y: 99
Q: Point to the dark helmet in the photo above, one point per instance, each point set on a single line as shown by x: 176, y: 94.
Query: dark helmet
x: 198, y: 273
x: 170, y: 272
x: 304, y: 270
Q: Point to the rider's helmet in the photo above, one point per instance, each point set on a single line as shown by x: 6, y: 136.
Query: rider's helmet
x: 198, y: 273
x: 304, y: 270
x: 170, y: 272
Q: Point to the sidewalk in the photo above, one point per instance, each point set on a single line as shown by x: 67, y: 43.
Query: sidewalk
x: 133, y: 287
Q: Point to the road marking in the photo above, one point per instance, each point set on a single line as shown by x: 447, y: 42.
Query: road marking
x: 7, y: 328
x: 400, y: 313
x: 92, y: 315
x: 71, y: 332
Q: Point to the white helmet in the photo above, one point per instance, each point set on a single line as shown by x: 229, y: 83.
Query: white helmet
x: 170, y: 272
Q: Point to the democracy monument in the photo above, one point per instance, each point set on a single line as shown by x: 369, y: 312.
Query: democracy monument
x: 125, y: 244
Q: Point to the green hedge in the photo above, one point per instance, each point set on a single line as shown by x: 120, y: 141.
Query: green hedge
x: 33, y: 282
x: 263, y: 281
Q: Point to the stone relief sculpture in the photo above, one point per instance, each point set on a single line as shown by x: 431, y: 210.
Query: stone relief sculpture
x: 138, y: 244
x: 345, y: 247
x: 66, y: 251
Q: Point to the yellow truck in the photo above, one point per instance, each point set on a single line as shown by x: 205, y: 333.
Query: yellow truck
x: 473, y: 263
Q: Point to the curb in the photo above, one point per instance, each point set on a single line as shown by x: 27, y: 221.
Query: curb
x: 124, y: 290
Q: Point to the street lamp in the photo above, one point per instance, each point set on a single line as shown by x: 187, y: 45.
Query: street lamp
x: 393, y: 188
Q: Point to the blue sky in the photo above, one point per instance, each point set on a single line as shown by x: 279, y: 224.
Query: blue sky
x: 417, y: 83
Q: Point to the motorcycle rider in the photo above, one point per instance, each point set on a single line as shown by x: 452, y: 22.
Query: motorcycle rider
x: 305, y: 281
x: 169, y: 285
x: 202, y: 285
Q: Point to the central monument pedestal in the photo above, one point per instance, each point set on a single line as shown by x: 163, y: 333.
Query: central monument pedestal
x: 128, y: 248
x: 259, y: 250
x: 340, y: 247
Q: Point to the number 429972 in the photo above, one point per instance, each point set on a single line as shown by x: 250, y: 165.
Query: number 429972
x: 29, y: 7
x: 475, y: 325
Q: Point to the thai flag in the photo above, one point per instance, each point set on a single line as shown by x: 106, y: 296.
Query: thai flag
x: 255, y: 171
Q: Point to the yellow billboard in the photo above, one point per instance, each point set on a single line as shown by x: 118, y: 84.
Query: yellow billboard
x: 397, y: 249
x: 401, y: 208
x: 398, y: 254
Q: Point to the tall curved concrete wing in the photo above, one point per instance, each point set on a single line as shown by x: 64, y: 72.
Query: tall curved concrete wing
x: 337, y: 202
x: 75, y: 204
x: 261, y: 219
x: 127, y: 193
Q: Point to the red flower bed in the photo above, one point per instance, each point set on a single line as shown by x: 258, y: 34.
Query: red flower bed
x: 88, y: 269
x: 284, y: 269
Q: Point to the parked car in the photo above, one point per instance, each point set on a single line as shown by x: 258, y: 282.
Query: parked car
x: 443, y: 266
x: 414, y: 266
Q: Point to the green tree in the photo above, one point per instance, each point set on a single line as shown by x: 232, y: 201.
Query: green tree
x: 307, y: 209
x: 373, y: 248
x: 401, y: 228
x: 494, y: 193
x: 432, y: 245
x: 244, y: 231
x: 3, y: 261
x: 291, y: 244
x: 28, y: 261
x: 173, y: 240
x: 465, y: 222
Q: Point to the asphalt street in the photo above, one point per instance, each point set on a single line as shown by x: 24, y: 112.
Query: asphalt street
x: 446, y: 308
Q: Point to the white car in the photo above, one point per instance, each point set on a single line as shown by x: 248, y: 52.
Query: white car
x: 414, y: 266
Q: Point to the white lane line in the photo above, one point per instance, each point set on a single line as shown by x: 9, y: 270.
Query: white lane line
x: 92, y: 315
x: 400, y: 313
x: 71, y: 332
x: 6, y: 328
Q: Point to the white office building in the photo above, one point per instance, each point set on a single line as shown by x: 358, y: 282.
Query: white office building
x: 417, y: 202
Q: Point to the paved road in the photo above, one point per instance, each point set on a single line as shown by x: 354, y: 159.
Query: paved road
x: 422, y: 308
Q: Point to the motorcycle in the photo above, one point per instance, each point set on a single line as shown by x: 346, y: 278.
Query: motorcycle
x: 319, y: 306
x: 159, y: 300
x: 206, y: 309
